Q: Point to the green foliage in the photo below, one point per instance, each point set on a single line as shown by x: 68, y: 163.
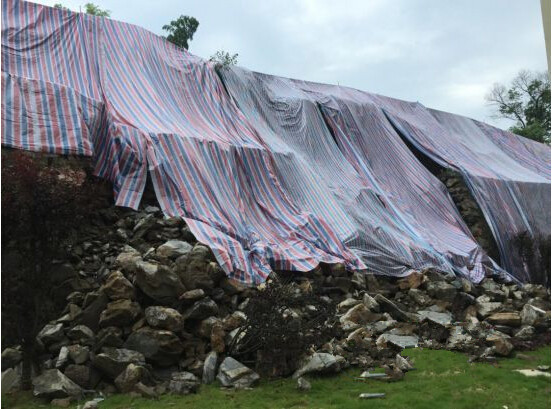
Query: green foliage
x: 224, y: 59
x: 443, y: 379
x: 181, y: 30
x: 526, y: 101
x: 91, y: 8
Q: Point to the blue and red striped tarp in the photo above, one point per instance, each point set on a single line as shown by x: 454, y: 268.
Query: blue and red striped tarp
x: 274, y: 174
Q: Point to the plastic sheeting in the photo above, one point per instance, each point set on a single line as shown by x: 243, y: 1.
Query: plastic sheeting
x: 299, y: 174
x: 339, y: 157
x: 509, y: 176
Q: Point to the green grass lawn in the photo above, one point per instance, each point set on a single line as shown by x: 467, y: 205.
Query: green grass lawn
x: 443, y: 379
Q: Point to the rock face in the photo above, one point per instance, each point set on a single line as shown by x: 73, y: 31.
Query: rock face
x: 234, y: 374
x: 53, y: 384
x: 164, y: 318
x: 159, y: 346
x: 320, y: 363
x: 113, y: 361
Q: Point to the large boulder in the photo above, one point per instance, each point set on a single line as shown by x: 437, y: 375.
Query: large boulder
x: 391, y: 308
x: 164, y: 318
x: 357, y: 316
x: 128, y: 259
x: 90, y: 316
x: 53, y: 384
x: 120, y: 313
x: 183, y: 383
x: 81, y: 334
x: 174, y: 249
x: 511, y: 319
x: 11, y: 357
x: 160, y: 347
x: 113, y: 361
x: 441, y: 290
x: 198, y: 269
x: 201, y: 309
x: 132, y: 375
x: 234, y: 374
x: 85, y: 376
x: 159, y: 282
x: 51, y: 333
x: 117, y: 287
x: 210, y: 368
x: 320, y: 362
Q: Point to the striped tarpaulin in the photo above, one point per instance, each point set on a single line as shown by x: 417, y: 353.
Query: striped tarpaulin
x: 282, y: 174
x: 509, y: 176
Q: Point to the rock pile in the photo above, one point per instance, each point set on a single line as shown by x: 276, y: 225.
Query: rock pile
x: 149, y: 311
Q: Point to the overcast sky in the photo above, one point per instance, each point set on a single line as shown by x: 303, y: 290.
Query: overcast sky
x: 444, y: 54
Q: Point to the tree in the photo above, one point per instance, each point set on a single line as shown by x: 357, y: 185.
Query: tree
x: 181, y: 30
x: 526, y: 101
x: 224, y: 59
x: 41, y: 206
x: 91, y: 8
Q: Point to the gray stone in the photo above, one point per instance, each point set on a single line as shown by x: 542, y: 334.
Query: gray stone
x: 159, y: 282
x: 174, y: 248
x: 303, y: 384
x: 53, y: 384
x: 164, y: 318
x: 511, y: 319
x: 198, y: 269
x: 128, y: 260
x: 440, y: 318
x: 51, y: 333
x: 210, y: 368
x: 192, y: 295
x: 382, y: 326
x: 90, y: 316
x: 370, y: 302
x: 10, y: 380
x: 109, y: 337
x: 234, y: 374
x: 347, y: 304
x: 391, y: 308
x: 117, y: 287
x: 530, y: 314
x: 131, y: 375
x: 183, y: 383
x: 79, y: 354
x: 84, y: 376
x: 63, y: 358
x: 484, y: 309
x: 441, y: 290
x: 320, y: 362
x: 357, y: 316
x: 525, y: 332
x: 458, y: 339
x: 11, y: 357
x: 158, y: 346
x: 402, y: 363
x: 202, y: 309
x: 399, y: 341
x: 419, y: 297
x: 371, y: 395
x: 120, y: 313
x: 113, y: 361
